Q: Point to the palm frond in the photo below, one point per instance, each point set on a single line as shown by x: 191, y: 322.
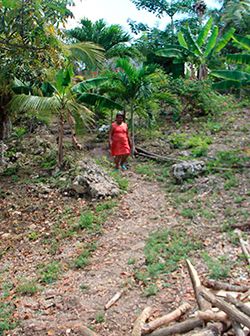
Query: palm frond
x: 94, y: 99
x: 23, y: 103
x: 88, y: 84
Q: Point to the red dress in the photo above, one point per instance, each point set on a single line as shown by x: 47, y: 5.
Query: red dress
x: 120, y: 143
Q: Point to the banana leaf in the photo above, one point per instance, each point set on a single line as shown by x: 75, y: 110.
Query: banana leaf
x: 171, y: 53
x: 224, y: 40
x: 204, y: 32
x: 227, y: 85
x: 182, y: 40
x: 233, y: 75
x: 211, y: 41
x: 238, y: 58
x: 191, y: 42
x: 243, y: 41
x: 88, y: 84
x: 93, y: 99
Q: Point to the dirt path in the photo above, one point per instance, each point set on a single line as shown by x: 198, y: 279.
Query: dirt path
x: 79, y: 297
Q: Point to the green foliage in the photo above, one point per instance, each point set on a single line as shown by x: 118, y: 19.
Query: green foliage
x: 151, y: 290
x: 6, y: 319
x: 219, y: 268
x: 229, y: 159
x: 163, y: 251
x: 198, y: 142
x: 84, y: 257
x: 49, y: 160
x: 188, y: 213
x: 10, y: 171
x: 19, y: 132
x: 122, y: 182
x: 33, y: 235
x: 108, y: 205
x: 27, y: 288
x: 197, y: 97
x: 100, y: 317
x: 86, y: 220
x: 50, y: 272
x: 146, y: 170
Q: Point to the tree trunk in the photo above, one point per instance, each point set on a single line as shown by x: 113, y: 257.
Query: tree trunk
x: 5, y: 124
x: 202, y: 72
x: 60, y: 141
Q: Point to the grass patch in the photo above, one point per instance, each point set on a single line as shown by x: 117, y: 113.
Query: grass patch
x: 27, y: 288
x: 151, y: 290
x: 146, y: 169
x: 219, y: 268
x: 83, y: 259
x: 50, y: 273
x: 120, y: 180
x: 100, y: 317
x: 6, y: 319
x: 163, y: 251
x: 86, y: 220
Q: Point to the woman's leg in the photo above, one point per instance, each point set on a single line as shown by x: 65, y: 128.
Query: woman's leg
x: 124, y: 159
x: 117, y: 161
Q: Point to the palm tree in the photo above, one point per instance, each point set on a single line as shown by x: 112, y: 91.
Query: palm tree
x: 111, y: 38
x: 198, y: 50
x: 138, y: 87
x: 64, y: 99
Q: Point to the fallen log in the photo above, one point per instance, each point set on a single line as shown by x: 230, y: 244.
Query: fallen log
x: 166, y: 319
x: 210, y: 315
x: 153, y: 156
x: 178, y: 328
x: 140, y: 321
x: 202, y: 304
x: 113, y: 300
x: 232, y: 312
x: 238, y: 304
x: 218, y: 285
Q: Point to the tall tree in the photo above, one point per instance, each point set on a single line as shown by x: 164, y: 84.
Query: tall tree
x: 110, y: 37
x: 169, y: 7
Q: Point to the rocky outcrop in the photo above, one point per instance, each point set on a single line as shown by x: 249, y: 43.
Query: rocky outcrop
x: 94, y: 181
x: 187, y: 169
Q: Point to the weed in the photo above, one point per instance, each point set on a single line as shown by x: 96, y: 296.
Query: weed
x: 6, y: 288
x: 6, y: 320
x: 27, y: 288
x: 82, y: 260
x: 188, y: 213
x: 11, y: 171
x: 86, y: 220
x: 131, y: 261
x: 100, y: 317
x: 50, y: 272
x: 49, y: 160
x: 145, y: 169
x: 33, y: 235
x: 19, y: 132
x: 121, y: 181
x: 239, y: 199
x: 219, y: 268
x: 151, y: 290
x: 84, y: 288
x: 106, y: 206
x: 213, y: 126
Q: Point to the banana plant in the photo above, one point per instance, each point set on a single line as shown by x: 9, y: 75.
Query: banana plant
x: 68, y: 101
x: 239, y: 77
x: 198, y: 50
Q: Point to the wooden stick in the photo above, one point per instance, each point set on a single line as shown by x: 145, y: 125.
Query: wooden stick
x: 214, y: 329
x: 237, y: 329
x: 113, y: 300
x: 166, y: 319
x: 81, y: 329
x: 178, y: 328
x: 243, y: 246
x: 240, y: 305
x: 202, y: 304
x: 230, y: 310
x: 139, y: 323
x: 209, y: 315
x: 223, y: 285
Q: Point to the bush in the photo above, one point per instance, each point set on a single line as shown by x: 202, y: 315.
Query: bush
x: 197, y: 97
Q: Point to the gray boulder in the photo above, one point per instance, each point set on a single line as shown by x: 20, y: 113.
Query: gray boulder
x: 94, y: 181
x: 188, y: 169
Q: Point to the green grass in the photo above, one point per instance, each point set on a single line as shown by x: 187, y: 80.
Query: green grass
x: 188, y: 213
x: 164, y: 250
x: 83, y: 259
x: 151, y: 290
x: 50, y: 272
x: 100, y: 317
x: 146, y: 169
x: 6, y: 320
x: 86, y: 220
x: 219, y: 268
x: 27, y: 288
x: 120, y: 180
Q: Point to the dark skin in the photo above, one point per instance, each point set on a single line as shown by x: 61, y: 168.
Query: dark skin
x: 119, y: 159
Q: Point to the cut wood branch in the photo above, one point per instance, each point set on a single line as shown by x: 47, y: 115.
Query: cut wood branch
x: 166, y: 319
x: 113, y: 300
x: 214, y: 329
x: 202, y: 304
x: 240, y: 305
x: 243, y: 246
x: 223, y: 285
x: 140, y: 321
x: 153, y: 156
x: 178, y: 328
x: 209, y: 315
x: 237, y: 329
x: 232, y: 312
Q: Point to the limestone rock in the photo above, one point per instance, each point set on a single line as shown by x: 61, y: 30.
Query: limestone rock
x: 94, y: 181
x: 187, y: 169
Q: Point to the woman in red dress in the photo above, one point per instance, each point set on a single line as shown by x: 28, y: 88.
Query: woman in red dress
x: 119, y: 141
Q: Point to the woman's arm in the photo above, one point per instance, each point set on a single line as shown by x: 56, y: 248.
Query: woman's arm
x: 111, y: 131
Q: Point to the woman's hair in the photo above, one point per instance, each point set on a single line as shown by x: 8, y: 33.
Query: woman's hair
x: 120, y: 113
